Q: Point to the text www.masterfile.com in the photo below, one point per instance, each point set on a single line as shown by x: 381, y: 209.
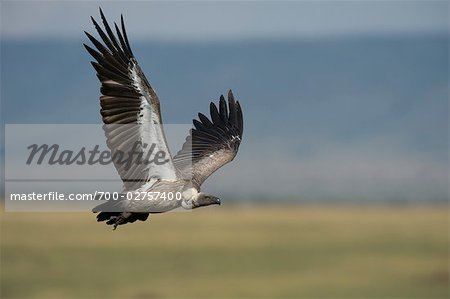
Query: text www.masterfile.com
x: 97, y: 195
x: 50, y: 196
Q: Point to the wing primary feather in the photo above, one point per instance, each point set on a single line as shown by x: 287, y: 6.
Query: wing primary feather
x: 223, y: 109
x: 106, y: 63
x: 122, y: 42
x: 215, y: 117
x: 102, y: 34
x: 109, y: 74
x: 113, y: 38
x: 97, y: 56
x: 198, y: 125
x: 108, y: 30
x: 125, y: 35
x: 240, y: 119
x: 205, y: 121
x: 97, y: 44
x: 232, y: 106
x: 107, y: 55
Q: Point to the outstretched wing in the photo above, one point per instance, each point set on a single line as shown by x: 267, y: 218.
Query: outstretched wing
x: 130, y: 110
x: 211, y: 143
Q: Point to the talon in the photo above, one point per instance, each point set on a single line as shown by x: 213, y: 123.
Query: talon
x: 118, y: 221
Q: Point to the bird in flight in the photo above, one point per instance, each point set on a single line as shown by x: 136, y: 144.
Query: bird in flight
x: 133, y: 127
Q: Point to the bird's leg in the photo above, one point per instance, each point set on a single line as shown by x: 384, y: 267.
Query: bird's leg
x: 115, y: 225
x: 116, y: 221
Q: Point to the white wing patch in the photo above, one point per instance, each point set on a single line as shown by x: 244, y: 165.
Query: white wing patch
x: 151, y: 132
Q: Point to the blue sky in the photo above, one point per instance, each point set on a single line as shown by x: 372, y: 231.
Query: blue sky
x: 216, y: 20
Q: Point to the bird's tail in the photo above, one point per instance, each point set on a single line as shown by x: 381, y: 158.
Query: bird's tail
x: 111, y: 212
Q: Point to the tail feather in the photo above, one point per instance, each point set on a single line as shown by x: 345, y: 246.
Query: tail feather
x: 106, y: 215
x: 116, y: 218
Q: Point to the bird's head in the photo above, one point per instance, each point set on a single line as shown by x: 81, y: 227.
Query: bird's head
x: 204, y: 199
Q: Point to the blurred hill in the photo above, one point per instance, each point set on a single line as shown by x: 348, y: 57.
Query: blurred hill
x: 360, y: 118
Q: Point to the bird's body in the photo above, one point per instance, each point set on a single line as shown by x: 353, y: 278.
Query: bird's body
x: 154, y: 181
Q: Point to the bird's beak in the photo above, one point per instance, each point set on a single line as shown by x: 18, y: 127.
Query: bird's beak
x: 217, y: 201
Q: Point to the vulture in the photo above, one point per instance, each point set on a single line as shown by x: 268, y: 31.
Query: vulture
x: 154, y: 181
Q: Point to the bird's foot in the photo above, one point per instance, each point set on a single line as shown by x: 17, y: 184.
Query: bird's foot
x: 116, y: 221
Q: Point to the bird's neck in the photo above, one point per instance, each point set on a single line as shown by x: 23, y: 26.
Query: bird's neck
x: 189, y: 195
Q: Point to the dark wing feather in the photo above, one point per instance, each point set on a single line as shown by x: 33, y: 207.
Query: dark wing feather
x: 211, y: 143
x: 129, y: 107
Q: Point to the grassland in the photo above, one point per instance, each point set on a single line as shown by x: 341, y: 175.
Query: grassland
x: 325, y: 251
